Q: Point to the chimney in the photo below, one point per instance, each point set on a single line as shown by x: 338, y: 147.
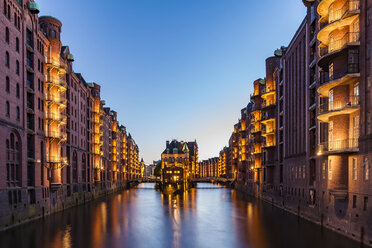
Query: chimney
x: 167, y: 143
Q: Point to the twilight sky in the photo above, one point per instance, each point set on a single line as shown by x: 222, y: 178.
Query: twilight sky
x: 175, y: 68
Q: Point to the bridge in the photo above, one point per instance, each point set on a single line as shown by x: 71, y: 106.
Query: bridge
x: 224, y: 181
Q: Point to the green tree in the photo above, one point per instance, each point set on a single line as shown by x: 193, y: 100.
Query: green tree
x: 157, y: 171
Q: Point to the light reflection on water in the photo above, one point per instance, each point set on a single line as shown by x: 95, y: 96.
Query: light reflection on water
x: 208, y: 216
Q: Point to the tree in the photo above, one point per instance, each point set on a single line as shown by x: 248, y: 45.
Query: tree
x: 157, y: 171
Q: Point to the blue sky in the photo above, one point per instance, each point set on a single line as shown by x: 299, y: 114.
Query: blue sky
x: 175, y: 68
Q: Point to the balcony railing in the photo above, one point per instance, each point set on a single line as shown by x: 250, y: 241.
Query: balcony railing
x: 268, y: 130
x: 337, y: 105
x: 351, y: 68
x: 56, y: 117
x: 338, y: 145
x: 340, y: 43
x: 268, y: 90
x: 56, y: 81
x: 336, y: 15
x: 266, y: 104
x: 56, y: 135
x: 56, y: 99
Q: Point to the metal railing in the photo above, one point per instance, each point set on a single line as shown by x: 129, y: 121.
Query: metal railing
x: 268, y: 90
x: 56, y: 99
x: 56, y: 117
x: 338, y: 145
x: 350, y: 69
x: 336, y: 45
x: 56, y: 81
x: 268, y: 104
x: 350, y: 5
x: 336, y: 105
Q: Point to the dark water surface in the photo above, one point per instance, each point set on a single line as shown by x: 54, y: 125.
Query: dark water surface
x: 209, y: 216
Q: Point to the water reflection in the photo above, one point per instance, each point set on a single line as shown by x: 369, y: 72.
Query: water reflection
x: 209, y: 216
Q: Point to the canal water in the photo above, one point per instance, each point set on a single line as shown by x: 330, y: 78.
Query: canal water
x: 208, y: 216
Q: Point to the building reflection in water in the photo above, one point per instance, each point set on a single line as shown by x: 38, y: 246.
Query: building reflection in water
x: 209, y: 216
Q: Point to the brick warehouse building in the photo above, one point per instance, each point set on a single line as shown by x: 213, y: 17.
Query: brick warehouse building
x: 61, y: 145
x: 320, y: 121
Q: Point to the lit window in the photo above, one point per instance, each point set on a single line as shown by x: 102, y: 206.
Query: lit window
x: 354, y: 173
x: 330, y: 170
x: 366, y: 168
x: 331, y: 71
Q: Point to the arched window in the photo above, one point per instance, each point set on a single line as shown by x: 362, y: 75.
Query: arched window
x: 18, y: 114
x: 7, y: 35
x: 7, y: 84
x: 74, y: 168
x: 7, y: 62
x: 17, y: 91
x: 17, y: 44
x: 5, y: 12
x: 7, y: 109
x: 17, y: 67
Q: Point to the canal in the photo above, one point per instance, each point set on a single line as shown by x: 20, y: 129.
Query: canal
x: 209, y: 216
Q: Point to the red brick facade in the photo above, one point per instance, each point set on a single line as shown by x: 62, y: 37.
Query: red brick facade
x: 58, y: 150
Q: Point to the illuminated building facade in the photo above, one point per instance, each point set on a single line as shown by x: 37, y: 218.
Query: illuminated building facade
x: 61, y: 146
x: 177, y: 164
x: 209, y: 168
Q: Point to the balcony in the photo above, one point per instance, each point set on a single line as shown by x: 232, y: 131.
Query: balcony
x: 56, y: 118
x: 268, y: 117
x: 347, y: 105
x: 57, y: 64
x: 338, y: 146
x: 56, y: 99
x: 350, y: 38
x: 346, y: 76
x: 57, y: 160
x: 269, y: 145
x: 336, y: 19
x: 56, y: 135
x: 268, y: 131
x: 56, y: 82
x: 268, y: 91
x: 267, y: 104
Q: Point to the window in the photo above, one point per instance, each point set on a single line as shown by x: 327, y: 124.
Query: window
x: 7, y: 109
x: 355, y: 167
x: 365, y: 203
x: 331, y: 71
x: 324, y: 170
x: 18, y: 114
x: 17, y: 44
x: 17, y: 91
x: 5, y: 12
x: 7, y: 59
x: 17, y: 67
x: 54, y: 34
x: 354, y: 201
x: 366, y: 168
x: 330, y: 135
x: 368, y: 122
x: 7, y: 85
x: 355, y: 131
x: 7, y: 35
x: 329, y: 169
